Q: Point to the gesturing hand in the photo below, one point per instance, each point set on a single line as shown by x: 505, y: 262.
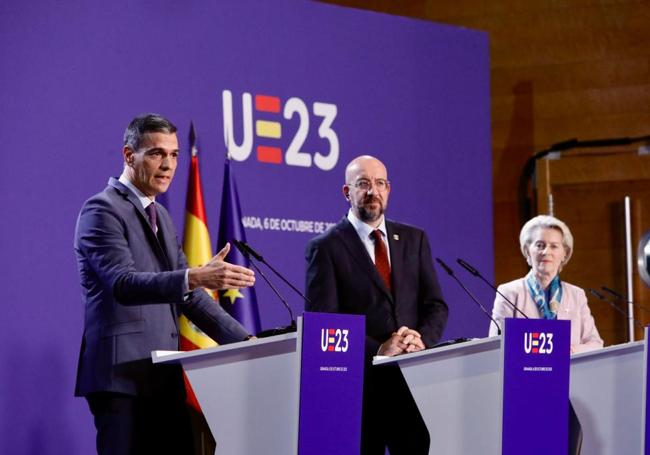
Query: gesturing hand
x: 219, y: 274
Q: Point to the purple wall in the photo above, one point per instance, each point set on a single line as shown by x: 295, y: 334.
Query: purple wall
x: 413, y: 93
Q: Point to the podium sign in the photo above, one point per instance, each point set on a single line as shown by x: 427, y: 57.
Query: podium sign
x: 535, y: 386
x: 331, y: 378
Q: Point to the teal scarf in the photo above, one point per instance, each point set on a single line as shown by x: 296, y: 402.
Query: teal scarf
x: 548, y: 302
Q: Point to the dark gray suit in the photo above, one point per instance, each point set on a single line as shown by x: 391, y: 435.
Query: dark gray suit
x: 133, y: 291
x: 342, y: 278
x: 132, y: 286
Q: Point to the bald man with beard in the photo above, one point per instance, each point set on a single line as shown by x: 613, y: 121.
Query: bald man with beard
x: 382, y: 269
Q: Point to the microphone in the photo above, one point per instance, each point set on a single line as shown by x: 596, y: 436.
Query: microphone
x: 612, y: 292
x: 602, y: 298
x: 451, y: 273
x: 250, y: 251
x: 278, y: 330
x: 259, y: 257
x: 476, y: 273
x: 620, y: 297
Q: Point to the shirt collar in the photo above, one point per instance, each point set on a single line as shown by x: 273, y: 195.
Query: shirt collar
x: 144, y: 200
x: 364, y: 230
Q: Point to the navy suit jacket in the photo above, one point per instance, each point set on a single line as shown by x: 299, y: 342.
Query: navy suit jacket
x: 133, y: 291
x: 342, y: 278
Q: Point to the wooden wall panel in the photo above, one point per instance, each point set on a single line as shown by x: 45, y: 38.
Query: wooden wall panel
x: 559, y: 70
x: 625, y: 100
x: 595, y: 212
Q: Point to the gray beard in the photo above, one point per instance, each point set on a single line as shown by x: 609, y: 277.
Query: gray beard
x: 369, y: 217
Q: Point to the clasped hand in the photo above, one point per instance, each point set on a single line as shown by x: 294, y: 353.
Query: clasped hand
x: 403, y: 341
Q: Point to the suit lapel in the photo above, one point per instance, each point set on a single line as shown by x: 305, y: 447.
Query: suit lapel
x: 166, y: 243
x: 397, y: 259
x: 166, y: 239
x: 160, y: 249
x: 144, y: 220
x: 351, y: 241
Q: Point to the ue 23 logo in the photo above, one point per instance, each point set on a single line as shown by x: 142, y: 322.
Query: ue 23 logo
x: 269, y: 130
x: 538, y: 343
x: 334, y: 340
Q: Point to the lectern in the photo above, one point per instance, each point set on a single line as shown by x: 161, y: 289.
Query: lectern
x: 607, y: 394
x: 494, y: 396
x: 293, y: 393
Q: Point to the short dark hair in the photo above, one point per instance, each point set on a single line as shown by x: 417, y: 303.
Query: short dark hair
x: 143, y: 124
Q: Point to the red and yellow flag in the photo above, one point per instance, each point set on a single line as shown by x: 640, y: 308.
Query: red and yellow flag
x: 197, y: 248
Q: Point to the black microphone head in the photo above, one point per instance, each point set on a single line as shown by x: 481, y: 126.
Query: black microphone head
x: 612, y: 292
x: 444, y: 266
x: 467, y: 267
x: 252, y: 252
x: 597, y: 294
x: 240, y: 247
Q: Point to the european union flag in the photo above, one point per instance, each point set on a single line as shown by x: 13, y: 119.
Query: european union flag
x: 240, y: 303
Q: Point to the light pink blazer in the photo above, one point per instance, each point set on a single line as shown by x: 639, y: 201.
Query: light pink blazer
x: 584, y: 335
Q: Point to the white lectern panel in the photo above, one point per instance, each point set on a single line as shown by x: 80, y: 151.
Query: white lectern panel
x: 606, y: 391
x: 249, y: 393
x: 458, y: 391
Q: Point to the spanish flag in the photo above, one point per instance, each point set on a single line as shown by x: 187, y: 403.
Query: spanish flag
x: 197, y: 248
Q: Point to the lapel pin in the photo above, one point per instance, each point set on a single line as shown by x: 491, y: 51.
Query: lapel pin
x: 395, y: 236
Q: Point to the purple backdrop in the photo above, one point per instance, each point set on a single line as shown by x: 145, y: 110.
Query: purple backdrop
x: 413, y: 93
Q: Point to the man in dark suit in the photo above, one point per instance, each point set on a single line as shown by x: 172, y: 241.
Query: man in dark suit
x: 135, y: 281
x: 382, y: 269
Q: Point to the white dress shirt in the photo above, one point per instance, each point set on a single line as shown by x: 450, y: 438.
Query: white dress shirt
x: 365, y: 234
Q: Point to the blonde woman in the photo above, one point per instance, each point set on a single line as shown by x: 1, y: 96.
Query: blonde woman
x: 547, y: 245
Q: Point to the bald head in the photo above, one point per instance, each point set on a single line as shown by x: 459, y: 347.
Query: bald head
x: 367, y: 188
x: 364, y: 163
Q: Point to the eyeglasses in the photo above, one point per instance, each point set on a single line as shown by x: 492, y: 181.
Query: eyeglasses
x: 365, y: 184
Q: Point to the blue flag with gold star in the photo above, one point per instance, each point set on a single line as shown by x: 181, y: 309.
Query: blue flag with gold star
x: 240, y: 303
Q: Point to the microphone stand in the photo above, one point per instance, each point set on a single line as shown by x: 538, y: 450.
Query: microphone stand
x: 277, y: 330
x: 619, y: 297
x: 476, y: 273
x: 453, y: 275
x: 602, y: 298
x: 259, y: 257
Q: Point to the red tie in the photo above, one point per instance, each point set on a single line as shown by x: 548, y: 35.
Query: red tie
x: 381, y: 258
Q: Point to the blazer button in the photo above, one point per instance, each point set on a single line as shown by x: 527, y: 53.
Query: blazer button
x: 174, y: 335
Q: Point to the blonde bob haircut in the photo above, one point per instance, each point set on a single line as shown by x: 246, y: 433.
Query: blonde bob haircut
x: 545, y: 222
